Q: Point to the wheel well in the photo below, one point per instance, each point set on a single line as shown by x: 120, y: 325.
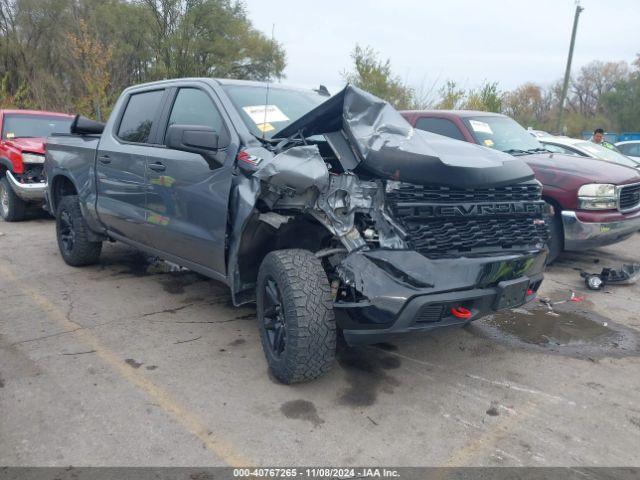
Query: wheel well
x: 260, y: 238
x: 557, y: 218
x: 556, y: 206
x: 62, y: 186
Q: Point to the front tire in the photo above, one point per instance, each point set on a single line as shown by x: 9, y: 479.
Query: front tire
x: 295, y: 311
x: 73, y: 234
x: 12, y: 207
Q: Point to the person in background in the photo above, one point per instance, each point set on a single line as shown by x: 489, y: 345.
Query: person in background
x: 598, y: 137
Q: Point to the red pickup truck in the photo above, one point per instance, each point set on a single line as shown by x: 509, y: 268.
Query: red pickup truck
x: 596, y: 203
x: 22, y: 157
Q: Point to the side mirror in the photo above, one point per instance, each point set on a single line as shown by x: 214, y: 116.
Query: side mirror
x: 194, y: 139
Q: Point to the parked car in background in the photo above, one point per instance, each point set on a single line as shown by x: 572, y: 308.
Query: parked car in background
x: 630, y: 148
x: 22, y: 156
x: 585, y: 148
x: 538, y: 133
x: 324, y: 211
x: 596, y: 202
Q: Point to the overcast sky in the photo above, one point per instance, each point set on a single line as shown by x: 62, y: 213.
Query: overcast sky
x: 430, y: 41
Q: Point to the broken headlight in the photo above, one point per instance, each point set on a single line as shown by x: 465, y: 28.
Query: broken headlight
x: 598, y: 196
x: 32, y: 158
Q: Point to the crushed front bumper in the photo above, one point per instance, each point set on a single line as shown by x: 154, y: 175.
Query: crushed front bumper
x: 29, y: 192
x: 583, y: 235
x: 402, y: 291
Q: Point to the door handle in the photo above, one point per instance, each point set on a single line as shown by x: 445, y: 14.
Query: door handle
x: 104, y: 159
x: 157, y: 167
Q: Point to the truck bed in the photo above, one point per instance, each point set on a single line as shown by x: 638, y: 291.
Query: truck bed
x: 73, y: 156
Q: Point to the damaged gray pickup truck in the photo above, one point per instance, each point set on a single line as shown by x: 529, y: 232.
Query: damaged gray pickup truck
x: 331, y: 213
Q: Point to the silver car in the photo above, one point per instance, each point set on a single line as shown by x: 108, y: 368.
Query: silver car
x: 585, y: 148
x: 630, y: 148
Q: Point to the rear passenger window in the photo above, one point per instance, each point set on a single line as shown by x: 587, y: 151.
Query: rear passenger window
x: 441, y: 126
x: 139, y: 115
x: 194, y: 107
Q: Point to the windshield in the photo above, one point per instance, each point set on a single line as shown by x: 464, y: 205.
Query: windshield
x: 604, y: 153
x: 502, y: 133
x: 25, y: 126
x: 264, y: 118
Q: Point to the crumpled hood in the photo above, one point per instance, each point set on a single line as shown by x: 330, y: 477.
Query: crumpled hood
x: 388, y: 147
x: 553, y: 168
x: 35, y: 145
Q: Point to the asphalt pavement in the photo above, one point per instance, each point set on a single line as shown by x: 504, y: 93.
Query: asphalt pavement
x: 129, y: 364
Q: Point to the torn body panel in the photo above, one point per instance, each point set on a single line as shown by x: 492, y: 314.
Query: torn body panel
x: 387, y: 147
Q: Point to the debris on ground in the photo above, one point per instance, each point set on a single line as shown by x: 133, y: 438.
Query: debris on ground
x: 550, y: 304
x: 626, y: 275
x: 493, y: 409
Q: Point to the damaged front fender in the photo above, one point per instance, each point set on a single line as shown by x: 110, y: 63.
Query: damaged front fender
x: 297, y: 180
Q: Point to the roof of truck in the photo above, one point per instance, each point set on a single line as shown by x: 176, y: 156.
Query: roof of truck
x: 220, y: 81
x: 457, y: 113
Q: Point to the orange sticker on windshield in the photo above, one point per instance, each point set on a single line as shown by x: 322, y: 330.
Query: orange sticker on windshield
x: 265, y: 127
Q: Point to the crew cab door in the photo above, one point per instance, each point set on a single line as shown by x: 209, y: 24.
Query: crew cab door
x: 122, y: 162
x: 188, y: 196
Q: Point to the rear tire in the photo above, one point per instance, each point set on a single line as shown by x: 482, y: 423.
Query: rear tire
x: 295, y: 311
x: 556, y: 241
x: 73, y: 234
x: 12, y: 207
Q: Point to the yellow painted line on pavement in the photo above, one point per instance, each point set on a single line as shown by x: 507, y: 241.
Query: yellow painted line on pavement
x: 216, y: 444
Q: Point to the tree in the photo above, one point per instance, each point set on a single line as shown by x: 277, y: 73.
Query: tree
x: 80, y: 54
x: 594, y: 80
x: 91, y: 60
x: 486, y: 98
x: 451, y: 96
x: 375, y: 76
x: 18, y: 99
x: 621, y: 102
x: 211, y: 38
x: 527, y: 104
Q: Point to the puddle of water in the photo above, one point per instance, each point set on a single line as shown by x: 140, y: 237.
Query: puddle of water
x: 573, y: 332
x: 539, y: 327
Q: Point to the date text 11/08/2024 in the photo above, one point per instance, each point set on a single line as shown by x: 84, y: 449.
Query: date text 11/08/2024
x: 317, y: 472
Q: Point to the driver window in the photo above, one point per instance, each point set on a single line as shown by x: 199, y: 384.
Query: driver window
x: 194, y: 107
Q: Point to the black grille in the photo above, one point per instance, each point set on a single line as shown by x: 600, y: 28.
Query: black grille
x: 430, y: 314
x: 629, y: 197
x: 409, y: 193
x: 436, y: 235
x: 442, y: 238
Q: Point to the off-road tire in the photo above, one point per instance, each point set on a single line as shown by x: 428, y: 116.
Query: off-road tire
x: 82, y: 251
x: 556, y: 240
x: 12, y: 207
x: 309, y: 321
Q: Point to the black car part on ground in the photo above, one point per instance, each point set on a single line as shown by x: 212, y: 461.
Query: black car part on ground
x: 626, y: 275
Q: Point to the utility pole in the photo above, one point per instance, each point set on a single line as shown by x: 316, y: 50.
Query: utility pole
x: 567, y: 72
